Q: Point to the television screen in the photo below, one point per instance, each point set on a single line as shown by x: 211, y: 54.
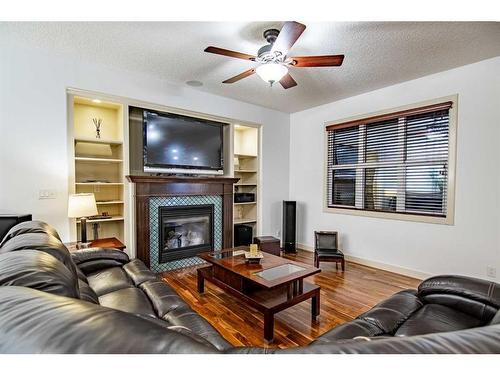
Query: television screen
x: 175, y: 141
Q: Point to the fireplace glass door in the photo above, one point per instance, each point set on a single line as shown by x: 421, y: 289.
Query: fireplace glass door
x: 185, y: 231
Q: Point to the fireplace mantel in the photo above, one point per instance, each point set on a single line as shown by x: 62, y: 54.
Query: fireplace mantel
x: 191, y: 179
x: 168, y: 186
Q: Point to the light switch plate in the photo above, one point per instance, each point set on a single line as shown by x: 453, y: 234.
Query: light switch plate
x: 47, y: 194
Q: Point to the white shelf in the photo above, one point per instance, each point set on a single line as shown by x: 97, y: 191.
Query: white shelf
x: 97, y: 160
x: 109, y: 202
x: 244, y: 203
x: 114, y: 218
x: 244, y: 221
x: 245, y: 184
x: 96, y: 140
x: 99, y: 183
x: 245, y: 171
x: 244, y: 156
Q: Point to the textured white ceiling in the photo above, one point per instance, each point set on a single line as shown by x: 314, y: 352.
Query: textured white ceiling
x: 376, y: 54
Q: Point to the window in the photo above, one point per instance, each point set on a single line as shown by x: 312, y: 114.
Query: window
x: 394, y: 163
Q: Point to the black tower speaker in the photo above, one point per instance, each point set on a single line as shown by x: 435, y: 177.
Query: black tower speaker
x: 242, y: 235
x: 289, y: 225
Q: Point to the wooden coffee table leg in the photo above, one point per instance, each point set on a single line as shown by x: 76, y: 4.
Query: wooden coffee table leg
x: 201, y: 282
x: 269, y: 326
x: 315, y: 305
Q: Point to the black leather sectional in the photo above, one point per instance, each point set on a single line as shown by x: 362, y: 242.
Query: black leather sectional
x: 100, y: 301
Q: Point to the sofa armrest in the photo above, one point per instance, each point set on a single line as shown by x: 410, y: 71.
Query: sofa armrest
x: 383, y: 319
x: 482, y: 340
x: 482, y: 291
x: 479, y: 298
x: 96, y: 258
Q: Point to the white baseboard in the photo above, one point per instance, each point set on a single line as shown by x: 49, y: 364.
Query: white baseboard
x: 376, y: 264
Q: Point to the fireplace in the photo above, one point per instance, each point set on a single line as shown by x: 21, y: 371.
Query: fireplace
x: 185, y: 231
x: 155, y: 192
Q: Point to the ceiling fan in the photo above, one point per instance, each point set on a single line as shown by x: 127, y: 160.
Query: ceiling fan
x: 273, y: 59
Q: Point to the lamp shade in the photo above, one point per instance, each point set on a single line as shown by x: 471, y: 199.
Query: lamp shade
x: 81, y: 205
x: 271, y: 72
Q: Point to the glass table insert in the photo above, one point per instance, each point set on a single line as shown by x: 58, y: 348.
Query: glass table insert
x: 222, y: 254
x: 279, y: 271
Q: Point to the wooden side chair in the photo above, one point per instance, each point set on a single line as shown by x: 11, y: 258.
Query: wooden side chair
x: 326, y: 249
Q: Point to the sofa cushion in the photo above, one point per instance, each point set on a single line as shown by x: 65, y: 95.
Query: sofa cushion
x: 496, y: 318
x: 436, y: 318
x: 37, y: 270
x: 32, y: 321
x: 29, y: 227
x: 86, y: 292
x: 172, y: 308
x: 138, y: 272
x: 181, y: 329
x: 96, y: 265
x: 162, y: 296
x: 131, y: 300
x: 41, y: 242
x: 480, y: 310
x: 184, y: 316
x: 389, y: 314
x: 108, y: 280
x: 80, y: 275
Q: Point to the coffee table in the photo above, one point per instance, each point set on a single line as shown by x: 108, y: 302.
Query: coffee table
x: 270, y: 287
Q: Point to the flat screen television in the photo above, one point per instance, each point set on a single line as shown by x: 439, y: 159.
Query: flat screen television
x: 182, y: 144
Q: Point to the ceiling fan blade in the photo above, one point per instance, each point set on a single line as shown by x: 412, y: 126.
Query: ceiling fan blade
x: 312, y: 61
x: 227, y: 52
x: 245, y: 74
x: 287, y: 81
x: 290, y: 32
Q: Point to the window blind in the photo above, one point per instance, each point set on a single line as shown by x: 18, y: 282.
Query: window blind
x: 391, y: 163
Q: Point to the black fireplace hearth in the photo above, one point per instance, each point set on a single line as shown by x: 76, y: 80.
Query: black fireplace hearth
x: 185, y: 231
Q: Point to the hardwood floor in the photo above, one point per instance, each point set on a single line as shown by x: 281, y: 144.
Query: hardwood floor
x: 344, y: 295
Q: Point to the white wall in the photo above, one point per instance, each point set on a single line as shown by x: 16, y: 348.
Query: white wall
x: 33, y: 139
x: 467, y: 247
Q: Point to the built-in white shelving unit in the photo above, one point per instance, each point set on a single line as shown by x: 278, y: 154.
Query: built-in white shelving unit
x: 246, y: 168
x: 98, y: 162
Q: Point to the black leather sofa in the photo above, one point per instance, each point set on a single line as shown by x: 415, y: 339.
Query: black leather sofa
x: 100, y: 301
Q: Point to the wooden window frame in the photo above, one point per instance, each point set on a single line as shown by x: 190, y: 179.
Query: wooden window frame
x: 448, y: 102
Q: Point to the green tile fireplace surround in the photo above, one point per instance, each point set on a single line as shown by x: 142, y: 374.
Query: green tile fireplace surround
x: 154, y: 207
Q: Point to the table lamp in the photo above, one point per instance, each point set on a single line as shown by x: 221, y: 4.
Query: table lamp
x: 81, y: 206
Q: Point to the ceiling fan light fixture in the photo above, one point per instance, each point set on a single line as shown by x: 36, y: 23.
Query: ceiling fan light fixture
x: 271, y: 72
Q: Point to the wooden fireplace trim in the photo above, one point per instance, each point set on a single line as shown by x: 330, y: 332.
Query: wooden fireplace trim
x: 168, y: 186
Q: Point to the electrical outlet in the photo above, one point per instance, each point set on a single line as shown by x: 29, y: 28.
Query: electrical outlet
x: 491, y: 271
x: 278, y: 233
x: 47, y: 194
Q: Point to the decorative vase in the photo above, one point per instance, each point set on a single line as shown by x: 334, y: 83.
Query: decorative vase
x: 97, y: 123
